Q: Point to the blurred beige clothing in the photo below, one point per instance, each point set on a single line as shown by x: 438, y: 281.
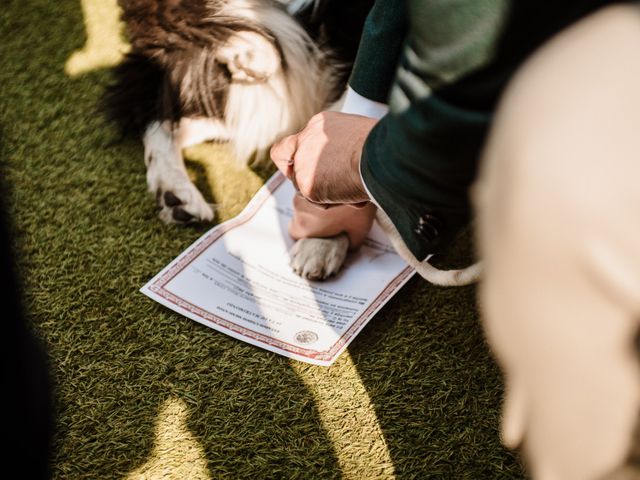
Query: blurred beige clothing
x: 558, y: 205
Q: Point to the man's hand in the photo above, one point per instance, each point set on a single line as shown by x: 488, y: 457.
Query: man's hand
x: 323, y: 160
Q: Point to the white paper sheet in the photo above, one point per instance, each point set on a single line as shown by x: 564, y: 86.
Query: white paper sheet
x: 236, y: 279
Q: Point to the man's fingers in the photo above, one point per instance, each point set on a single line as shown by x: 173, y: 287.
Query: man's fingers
x: 282, y: 154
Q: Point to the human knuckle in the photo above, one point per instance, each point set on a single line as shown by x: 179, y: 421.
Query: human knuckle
x: 274, y: 150
x: 306, y: 189
x: 312, y: 193
x: 318, y: 119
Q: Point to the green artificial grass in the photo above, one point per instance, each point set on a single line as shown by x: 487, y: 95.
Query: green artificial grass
x: 129, y: 372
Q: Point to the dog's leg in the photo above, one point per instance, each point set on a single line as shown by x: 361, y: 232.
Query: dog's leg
x: 249, y: 56
x: 192, y: 131
x: 179, y: 200
x: 319, y: 258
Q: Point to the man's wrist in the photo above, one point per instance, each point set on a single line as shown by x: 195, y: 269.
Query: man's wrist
x: 356, y: 104
x: 360, y: 192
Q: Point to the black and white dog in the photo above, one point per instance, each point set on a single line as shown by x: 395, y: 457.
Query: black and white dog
x: 244, y: 71
x: 247, y: 72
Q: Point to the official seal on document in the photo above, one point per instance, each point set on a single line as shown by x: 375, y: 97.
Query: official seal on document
x: 306, y: 337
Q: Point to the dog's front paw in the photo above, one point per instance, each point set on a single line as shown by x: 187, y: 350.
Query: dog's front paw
x: 178, y: 199
x: 183, y: 205
x: 250, y: 57
x: 319, y: 258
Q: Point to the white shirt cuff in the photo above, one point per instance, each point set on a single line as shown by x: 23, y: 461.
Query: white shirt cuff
x: 356, y: 104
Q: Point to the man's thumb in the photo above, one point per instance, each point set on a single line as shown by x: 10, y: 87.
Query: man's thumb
x: 282, y: 153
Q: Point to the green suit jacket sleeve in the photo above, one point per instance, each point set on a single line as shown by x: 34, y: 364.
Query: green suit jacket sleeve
x: 381, y: 44
x: 420, y: 159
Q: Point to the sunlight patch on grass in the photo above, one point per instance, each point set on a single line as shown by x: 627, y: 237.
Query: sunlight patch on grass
x: 105, y: 46
x: 216, y: 172
x: 176, y: 453
x: 349, y: 419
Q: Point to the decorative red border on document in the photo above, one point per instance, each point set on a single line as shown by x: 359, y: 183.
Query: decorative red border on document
x: 158, y: 286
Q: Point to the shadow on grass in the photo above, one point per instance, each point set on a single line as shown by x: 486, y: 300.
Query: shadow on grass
x: 434, y: 385
x: 439, y: 414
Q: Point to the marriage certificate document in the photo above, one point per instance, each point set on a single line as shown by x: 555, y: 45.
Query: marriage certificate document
x: 237, y: 279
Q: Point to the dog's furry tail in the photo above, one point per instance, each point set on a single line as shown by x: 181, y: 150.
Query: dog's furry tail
x: 444, y: 278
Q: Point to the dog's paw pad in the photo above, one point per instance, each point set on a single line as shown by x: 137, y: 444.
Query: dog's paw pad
x: 170, y: 199
x: 183, y: 206
x: 182, y: 216
x: 319, y: 258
